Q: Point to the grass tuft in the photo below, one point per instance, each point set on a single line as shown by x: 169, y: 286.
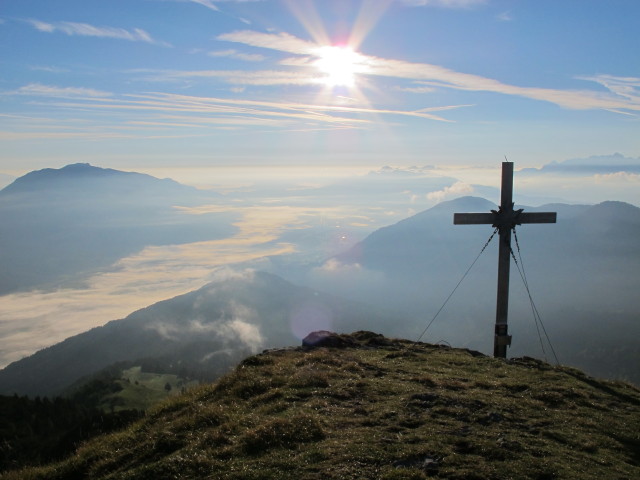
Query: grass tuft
x: 282, y: 432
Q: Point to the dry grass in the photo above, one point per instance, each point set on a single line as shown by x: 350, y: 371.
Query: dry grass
x: 377, y: 410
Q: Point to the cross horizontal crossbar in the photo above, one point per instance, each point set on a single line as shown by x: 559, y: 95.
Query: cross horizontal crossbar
x: 491, y: 218
x: 473, y: 218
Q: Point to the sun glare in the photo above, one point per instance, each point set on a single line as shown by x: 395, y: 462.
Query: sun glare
x: 340, y: 65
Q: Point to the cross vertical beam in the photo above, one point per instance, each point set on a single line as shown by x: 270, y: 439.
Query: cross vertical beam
x: 505, y: 220
x: 502, y: 338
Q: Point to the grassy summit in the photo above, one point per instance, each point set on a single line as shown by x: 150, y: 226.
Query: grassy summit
x: 375, y: 408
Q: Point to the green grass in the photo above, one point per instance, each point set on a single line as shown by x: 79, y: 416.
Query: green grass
x: 379, y: 410
x: 142, y: 390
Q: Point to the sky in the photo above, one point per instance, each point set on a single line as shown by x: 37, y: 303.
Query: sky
x: 318, y: 90
x: 144, y: 84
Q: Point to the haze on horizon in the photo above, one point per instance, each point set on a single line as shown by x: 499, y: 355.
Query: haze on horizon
x: 298, y: 223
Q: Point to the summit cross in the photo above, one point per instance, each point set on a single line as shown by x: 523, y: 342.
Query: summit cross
x: 505, y: 220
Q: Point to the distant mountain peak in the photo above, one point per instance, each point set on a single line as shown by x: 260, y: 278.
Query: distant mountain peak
x: 86, y: 168
x: 614, y: 211
x: 595, y: 164
x: 51, y: 177
x: 81, y: 175
x: 468, y: 202
x: 77, y: 165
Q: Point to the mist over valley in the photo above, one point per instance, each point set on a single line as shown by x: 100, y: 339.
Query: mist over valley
x: 376, y: 251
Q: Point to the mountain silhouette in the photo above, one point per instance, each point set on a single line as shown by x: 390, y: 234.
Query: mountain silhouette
x: 76, y: 175
x: 582, y: 272
x: 419, y: 244
x: 62, y: 223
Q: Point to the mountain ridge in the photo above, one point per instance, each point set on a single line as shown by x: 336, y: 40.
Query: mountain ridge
x: 52, y: 178
x: 207, y: 331
x: 407, y: 239
x: 367, y: 406
x: 74, y: 221
x: 582, y: 272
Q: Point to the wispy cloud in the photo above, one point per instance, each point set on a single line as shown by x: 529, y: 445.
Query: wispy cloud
x: 211, y: 4
x: 242, y: 77
x: 43, y: 68
x: 436, y: 76
x: 417, y: 89
x: 320, y: 113
x: 627, y: 87
x: 87, y: 30
x: 206, y: 3
x: 622, y: 95
x: 457, y: 189
x: 249, y: 57
x: 283, y: 42
x: 137, y: 115
x: 37, y: 89
x: 443, y: 3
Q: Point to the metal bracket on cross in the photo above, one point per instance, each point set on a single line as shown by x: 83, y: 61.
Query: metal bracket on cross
x: 506, y: 218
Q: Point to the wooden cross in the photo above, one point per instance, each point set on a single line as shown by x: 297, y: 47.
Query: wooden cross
x: 505, y: 220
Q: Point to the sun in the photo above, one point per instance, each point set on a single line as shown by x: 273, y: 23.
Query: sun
x: 339, y: 64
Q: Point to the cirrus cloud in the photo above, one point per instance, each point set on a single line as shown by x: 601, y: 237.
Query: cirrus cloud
x: 37, y: 89
x: 622, y: 95
x: 249, y: 57
x: 443, y: 3
x: 88, y: 30
x: 283, y: 42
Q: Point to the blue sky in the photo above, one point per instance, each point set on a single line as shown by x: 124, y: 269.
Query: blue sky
x: 136, y: 84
